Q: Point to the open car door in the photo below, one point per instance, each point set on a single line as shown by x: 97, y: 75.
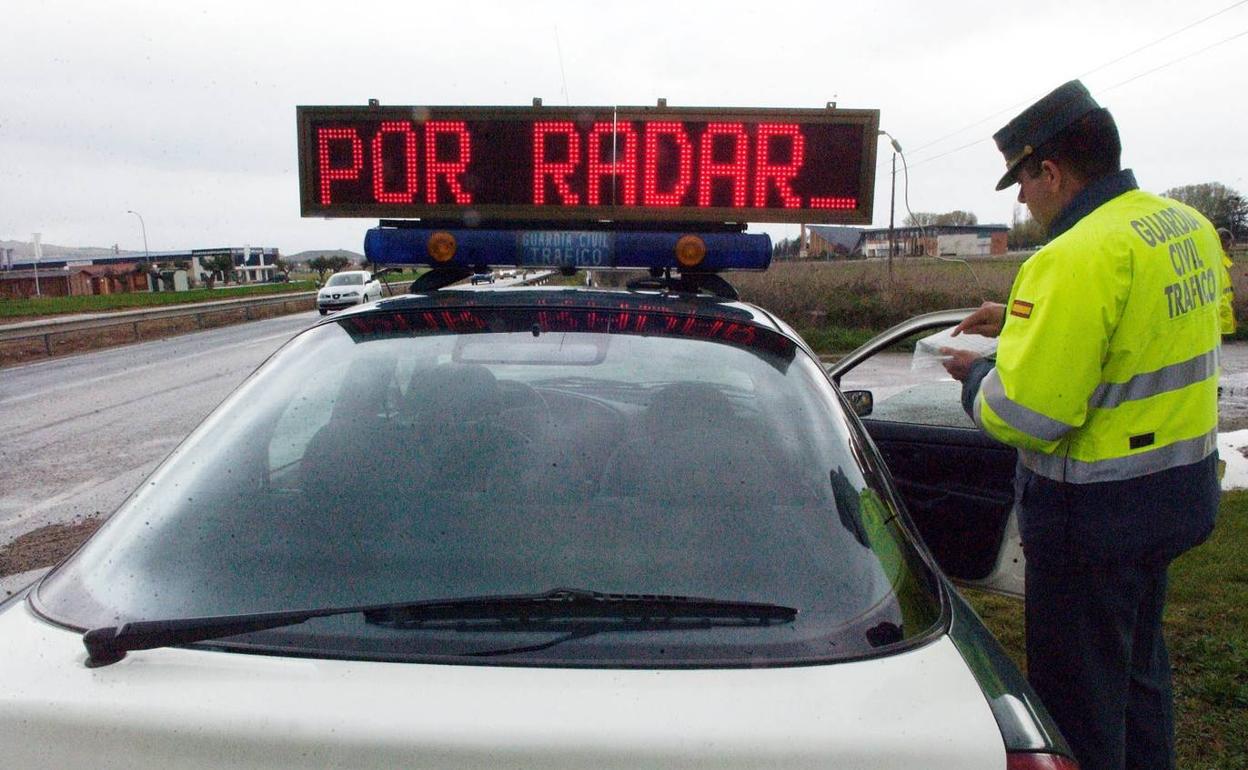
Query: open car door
x: 957, y: 482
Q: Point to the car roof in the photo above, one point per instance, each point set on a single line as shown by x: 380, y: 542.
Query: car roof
x: 678, y: 303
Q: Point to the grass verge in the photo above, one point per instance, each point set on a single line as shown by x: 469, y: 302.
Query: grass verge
x: 94, y: 303
x: 1206, y: 626
x: 835, y: 339
x: 823, y: 299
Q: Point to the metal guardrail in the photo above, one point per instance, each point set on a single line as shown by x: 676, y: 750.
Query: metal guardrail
x: 540, y: 279
x: 122, y: 317
x: 29, y: 340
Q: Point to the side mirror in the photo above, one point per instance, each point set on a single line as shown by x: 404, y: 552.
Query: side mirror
x: 861, y: 401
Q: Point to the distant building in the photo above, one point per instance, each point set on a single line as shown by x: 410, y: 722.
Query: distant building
x: 938, y: 241
x: 253, y: 264
x: 73, y: 280
x: 112, y: 279
x: 21, y: 283
x: 110, y: 274
x: 825, y: 241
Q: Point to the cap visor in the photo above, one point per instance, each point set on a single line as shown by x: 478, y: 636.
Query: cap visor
x: 1006, y: 180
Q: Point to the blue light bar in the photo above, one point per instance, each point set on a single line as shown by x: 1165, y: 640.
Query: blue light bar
x: 585, y: 249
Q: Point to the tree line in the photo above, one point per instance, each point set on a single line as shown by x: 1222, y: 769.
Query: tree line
x: 1223, y: 206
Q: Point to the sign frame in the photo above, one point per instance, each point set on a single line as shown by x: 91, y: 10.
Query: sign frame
x: 867, y: 121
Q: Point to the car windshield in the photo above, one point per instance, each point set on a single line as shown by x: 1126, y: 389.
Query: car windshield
x: 395, y: 457
x: 345, y: 279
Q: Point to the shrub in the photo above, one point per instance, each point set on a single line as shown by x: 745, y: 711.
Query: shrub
x: 818, y: 297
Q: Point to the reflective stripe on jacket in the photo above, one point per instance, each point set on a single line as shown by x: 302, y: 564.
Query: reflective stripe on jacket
x: 1107, y: 364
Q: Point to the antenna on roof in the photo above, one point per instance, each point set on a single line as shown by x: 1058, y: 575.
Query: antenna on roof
x: 567, y: 98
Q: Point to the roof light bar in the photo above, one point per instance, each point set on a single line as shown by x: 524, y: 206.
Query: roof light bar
x: 585, y: 249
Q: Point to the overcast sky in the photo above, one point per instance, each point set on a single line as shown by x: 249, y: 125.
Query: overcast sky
x: 185, y: 111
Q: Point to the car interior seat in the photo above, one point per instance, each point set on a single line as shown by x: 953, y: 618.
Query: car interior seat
x: 691, y: 446
x: 458, y: 430
x: 340, y: 471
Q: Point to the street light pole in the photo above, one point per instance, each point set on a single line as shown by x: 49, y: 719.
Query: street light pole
x: 892, y: 207
x: 892, y: 201
x: 38, y: 256
x: 146, y: 254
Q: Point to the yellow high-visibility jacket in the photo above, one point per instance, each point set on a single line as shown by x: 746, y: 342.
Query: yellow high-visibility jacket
x: 1107, y: 364
x: 1226, y: 307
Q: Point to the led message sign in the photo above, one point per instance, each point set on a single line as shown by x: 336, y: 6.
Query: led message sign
x: 637, y: 164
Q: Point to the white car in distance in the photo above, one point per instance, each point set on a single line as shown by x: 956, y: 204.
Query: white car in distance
x: 350, y: 287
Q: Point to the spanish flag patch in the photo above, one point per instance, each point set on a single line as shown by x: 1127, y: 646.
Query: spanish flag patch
x: 1021, y: 309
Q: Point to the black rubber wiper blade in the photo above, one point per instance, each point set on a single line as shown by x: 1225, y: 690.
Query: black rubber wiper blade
x: 110, y: 644
x: 570, y: 603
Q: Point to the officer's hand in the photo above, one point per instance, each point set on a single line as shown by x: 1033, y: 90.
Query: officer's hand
x: 986, y: 320
x: 958, y: 363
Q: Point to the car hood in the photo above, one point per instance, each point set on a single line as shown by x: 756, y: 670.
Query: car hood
x: 191, y: 709
x: 331, y: 290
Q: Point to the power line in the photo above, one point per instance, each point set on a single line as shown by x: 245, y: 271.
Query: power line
x: 1098, y: 68
x: 1163, y: 39
x: 951, y: 152
x: 1176, y: 61
x: 1110, y: 88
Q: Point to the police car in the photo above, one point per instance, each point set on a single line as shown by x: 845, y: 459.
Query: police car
x: 569, y: 527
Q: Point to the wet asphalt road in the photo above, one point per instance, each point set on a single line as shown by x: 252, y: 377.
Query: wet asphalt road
x: 78, y: 434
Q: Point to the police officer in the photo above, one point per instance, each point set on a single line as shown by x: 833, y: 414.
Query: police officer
x: 1105, y: 380
x: 1227, y: 306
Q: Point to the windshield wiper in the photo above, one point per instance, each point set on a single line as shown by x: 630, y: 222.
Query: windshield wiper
x: 110, y: 644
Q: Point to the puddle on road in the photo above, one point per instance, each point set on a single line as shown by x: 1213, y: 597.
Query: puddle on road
x: 1233, y: 450
x: 1233, y: 404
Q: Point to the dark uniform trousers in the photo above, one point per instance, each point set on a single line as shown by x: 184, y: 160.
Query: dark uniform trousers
x: 1097, y: 659
x: 1097, y: 556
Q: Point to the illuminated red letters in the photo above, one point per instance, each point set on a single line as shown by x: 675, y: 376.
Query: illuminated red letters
x: 609, y: 163
x: 782, y: 173
x: 624, y: 167
x: 452, y: 170
x: 738, y: 170
x: 667, y: 144
x: 684, y: 150
x: 328, y: 172
x: 844, y: 204
x: 408, y: 192
x: 560, y: 171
